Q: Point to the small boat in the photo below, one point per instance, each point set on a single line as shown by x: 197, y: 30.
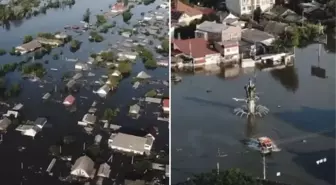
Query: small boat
x: 266, y: 145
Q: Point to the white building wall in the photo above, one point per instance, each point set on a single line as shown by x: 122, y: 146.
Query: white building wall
x: 185, y: 19
x: 231, y: 51
x: 241, y: 7
x: 212, y: 59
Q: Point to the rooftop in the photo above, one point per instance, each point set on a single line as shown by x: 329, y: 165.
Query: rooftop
x: 208, y: 26
x: 254, y: 35
x: 196, y: 48
x: 191, y: 11
x: 129, y: 141
x: 84, y: 163
x: 31, y: 45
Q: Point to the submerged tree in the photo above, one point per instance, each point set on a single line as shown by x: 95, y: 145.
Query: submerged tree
x: 86, y: 16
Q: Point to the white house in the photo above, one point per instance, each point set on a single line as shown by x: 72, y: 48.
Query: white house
x: 128, y: 55
x: 164, y: 5
x: 61, y: 35
x: 159, y: 17
x: 103, y: 91
x: 116, y: 73
x: 83, y: 167
x: 148, y: 17
x: 34, y: 129
x: 81, y: 66
x: 131, y: 144
x: 241, y: 7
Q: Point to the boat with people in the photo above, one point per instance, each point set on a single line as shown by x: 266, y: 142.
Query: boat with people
x: 264, y: 144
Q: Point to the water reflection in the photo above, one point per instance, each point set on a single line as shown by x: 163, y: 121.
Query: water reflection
x: 287, y: 77
x: 251, y: 127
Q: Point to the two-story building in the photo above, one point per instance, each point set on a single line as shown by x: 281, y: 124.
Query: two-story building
x: 229, y: 50
x: 214, y: 32
x: 241, y: 7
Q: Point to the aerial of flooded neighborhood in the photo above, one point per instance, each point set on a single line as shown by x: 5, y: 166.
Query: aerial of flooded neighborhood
x: 84, y: 92
x: 253, y: 92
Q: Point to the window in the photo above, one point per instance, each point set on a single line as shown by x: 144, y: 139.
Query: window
x: 228, y: 50
x: 244, y: 8
x: 249, y: 8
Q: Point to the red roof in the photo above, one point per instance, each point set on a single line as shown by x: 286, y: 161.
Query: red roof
x: 69, y: 100
x: 166, y: 103
x: 196, y: 47
x: 118, y: 6
x: 187, y: 9
x: 205, y: 10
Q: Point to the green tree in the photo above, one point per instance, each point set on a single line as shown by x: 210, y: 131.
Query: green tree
x: 27, y: 38
x: 228, y: 177
x: 109, y: 114
x: 125, y: 67
x: 150, y: 63
x: 100, y: 20
x: 108, y: 56
x: 165, y: 45
x: 151, y: 93
x: 2, y: 52
x: 127, y: 15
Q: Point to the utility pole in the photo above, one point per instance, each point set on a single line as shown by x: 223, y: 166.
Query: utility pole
x: 264, y: 166
x: 217, y: 168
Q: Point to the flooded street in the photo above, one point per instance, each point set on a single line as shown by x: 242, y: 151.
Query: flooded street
x: 61, y: 122
x: 302, y: 108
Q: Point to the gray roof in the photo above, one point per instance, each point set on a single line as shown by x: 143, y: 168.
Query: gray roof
x: 207, y: 26
x: 84, y: 163
x: 71, y: 83
x: 90, y: 118
x: 253, y: 35
x: 105, y: 88
x: 143, y: 75
x: 129, y: 141
x: 104, y: 170
x: 134, y: 108
x: 150, y: 140
x: 40, y: 121
x: 31, y: 45
x: 275, y: 27
x: 231, y: 20
x: 4, y: 123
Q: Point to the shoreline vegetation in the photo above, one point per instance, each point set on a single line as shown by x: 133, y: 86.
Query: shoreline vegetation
x: 21, y: 9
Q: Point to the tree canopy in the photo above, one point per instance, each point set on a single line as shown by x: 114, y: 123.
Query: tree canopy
x: 228, y: 177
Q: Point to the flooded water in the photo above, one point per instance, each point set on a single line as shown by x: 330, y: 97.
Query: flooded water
x: 302, y: 107
x: 35, y: 158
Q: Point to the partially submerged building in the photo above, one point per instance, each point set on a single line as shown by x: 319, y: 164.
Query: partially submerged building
x: 4, y: 124
x: 32, y: 129
x: 69, y: 100
x: 103, y: 91
x: 165, y: 106
x: 104, y: 170
x: 131, y: 143
x: 212, y: 31
x: 143, y: 75
x: 83, y: 167
x: 28, y: 47
x: 88, y: 119
x: 81, y: 66
x: 134, y: 110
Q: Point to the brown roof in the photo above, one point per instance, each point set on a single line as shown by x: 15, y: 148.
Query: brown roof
x: 187, y: 9
x: 196, y: 47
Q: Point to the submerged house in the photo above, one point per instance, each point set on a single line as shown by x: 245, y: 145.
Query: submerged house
x: 83, y: 167
x: 88, y: 119
x: 131, y: 143
x: 103, y: 91
x: 33, y: 129
x: 119, y: 7
x: 134, y: 109
x: 143, y: 75
x: 104, y: 170
x: 128, y: 55
x: 28, y: 47
x: 116, y: 73
x: 165, y: 106
x: 69, y: 100
x: 81, y: 66
x: 4, y: 124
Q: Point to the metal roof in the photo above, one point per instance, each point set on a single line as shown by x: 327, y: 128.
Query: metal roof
x: 84, y: 163
x: 208, y: 26
x: 132, y: 142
